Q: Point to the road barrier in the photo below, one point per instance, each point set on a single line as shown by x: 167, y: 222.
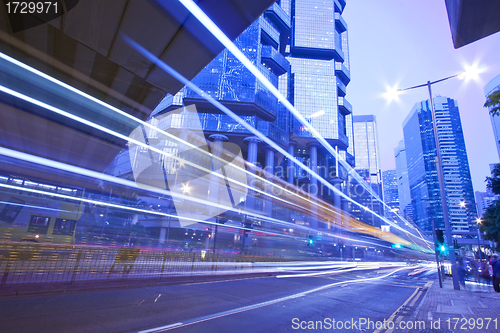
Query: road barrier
x: 47, y: 263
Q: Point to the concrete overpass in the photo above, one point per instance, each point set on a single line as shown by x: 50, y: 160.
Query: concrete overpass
x: 83, y: 48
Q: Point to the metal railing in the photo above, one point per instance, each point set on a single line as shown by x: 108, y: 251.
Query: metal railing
x: 39, y: 263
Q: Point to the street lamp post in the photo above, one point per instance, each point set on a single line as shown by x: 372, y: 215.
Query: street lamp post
x: 478, y: 221
x: 442, y: 190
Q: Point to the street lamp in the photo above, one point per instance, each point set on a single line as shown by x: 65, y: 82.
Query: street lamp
x: 478, y: 223
x: 392, y: 94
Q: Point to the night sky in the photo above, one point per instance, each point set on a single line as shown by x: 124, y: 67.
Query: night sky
x: 400, y: 43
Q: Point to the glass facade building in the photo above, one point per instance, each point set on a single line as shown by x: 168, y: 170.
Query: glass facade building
x: 422, y: 172
x: 301, y: 47
x: 319, y: 57
x: 405, y: 206
x: 391, y: 195
x: 367, y: 166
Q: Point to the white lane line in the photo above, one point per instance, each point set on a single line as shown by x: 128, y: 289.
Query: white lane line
x: 259, y: 305
x: 167, y: 327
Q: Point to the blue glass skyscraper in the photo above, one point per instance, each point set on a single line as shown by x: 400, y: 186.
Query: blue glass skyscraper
x: 311, y: 75
x: 228, y: 81
x: 405, y: 207
x: 391, y: 196
x: 368, y: 167
x: 422, y: 173
x: 319, y: 57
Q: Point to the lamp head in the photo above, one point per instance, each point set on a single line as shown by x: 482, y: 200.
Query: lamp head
x: 392, y: 94
x: 471, y: 72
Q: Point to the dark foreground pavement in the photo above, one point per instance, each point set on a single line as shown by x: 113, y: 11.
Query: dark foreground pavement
x: 263, y: 304
x: 406, y: 301
x: 473, y: 309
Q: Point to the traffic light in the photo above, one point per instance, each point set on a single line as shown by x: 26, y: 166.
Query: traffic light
x: 441, y: 246
x: 396, y: 246
x: 310, y: 241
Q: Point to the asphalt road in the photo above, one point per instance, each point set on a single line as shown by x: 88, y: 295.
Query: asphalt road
x: 267, y: 304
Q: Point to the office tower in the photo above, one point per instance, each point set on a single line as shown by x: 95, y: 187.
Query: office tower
x: 368, y: 167
x: 228, y: 81
x: 315, y: 84
x: 422, y: 173
x: 405, y: 207
x: 484, y: 201
x: 391, y: 195
x: 319, y: 56
x: 489, y: 88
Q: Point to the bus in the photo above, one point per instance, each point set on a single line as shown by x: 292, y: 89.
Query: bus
x: 37, y: 219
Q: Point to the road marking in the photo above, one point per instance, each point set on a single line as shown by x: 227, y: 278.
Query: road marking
x: 396, y: 284
x: 167, y: 327
x: 391, y: 318
x: 413, y: 298
x: 259, y: 305
x: 398, y: 320
x: 416, y: 298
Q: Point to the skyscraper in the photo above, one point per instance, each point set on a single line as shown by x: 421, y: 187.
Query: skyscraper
x: 391, y: 195
x: 422, y: 173
x: 228, y: 81
x: 319, y: 57
x: 315, y: 84
x: 405, y: 206
x: 489, y: 88
x: 367, y: 166
x: 484, y: 201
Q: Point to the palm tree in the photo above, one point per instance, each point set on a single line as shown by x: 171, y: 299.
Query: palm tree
x: 493, y: 100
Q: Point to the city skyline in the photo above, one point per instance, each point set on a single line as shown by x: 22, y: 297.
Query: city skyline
x: 412, y: 54
x: 420, y: 146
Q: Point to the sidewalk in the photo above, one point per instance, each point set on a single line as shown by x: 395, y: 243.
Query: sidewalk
x: 448, y: 310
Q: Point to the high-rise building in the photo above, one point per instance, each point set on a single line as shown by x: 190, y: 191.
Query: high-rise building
x: 489, y: 88
x: 391, y: 195
x: 405, y: 206
x: 368, y: 167
x: 301, y: 47
x: 422, y: 172
x: 319, y: 56
x: 228, y: 81
x: 484, y: 201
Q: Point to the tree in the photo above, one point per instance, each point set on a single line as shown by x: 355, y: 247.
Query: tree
x: 493, y: 182
x: 491, y: 218
x: 491, y: 223
x: 493, y: 100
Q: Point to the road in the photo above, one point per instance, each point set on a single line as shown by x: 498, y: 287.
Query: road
x: 266, y: 304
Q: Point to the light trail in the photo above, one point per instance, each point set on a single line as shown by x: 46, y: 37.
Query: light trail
x: 217, y: 104
x: 137, y: 210
x: 260, y: 305
x: 121, y: 181
x: 146, y: 124
x: 64, y: 113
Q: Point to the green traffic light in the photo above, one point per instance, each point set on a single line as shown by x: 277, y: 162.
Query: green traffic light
x: 443, y: 248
